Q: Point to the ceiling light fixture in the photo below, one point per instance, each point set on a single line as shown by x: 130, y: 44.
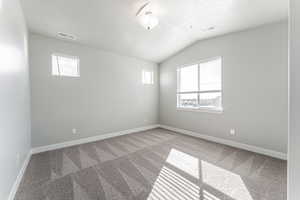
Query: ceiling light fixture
x: 146, y: 17
x: 148, y: 20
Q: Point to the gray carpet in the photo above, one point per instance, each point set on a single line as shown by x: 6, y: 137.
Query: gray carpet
x: 153, y: 165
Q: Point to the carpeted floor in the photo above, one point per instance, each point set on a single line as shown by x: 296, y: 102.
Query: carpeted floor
x: 153, y: 165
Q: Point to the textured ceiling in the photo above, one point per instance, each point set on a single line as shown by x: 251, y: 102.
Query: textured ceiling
x: 112, y: 24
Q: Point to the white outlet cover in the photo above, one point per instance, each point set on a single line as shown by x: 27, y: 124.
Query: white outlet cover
x: 74, y: 131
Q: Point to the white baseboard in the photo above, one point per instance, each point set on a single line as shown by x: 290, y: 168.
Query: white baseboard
x: 90, y: 139
x: 18, y: 180
x: 247, y: 147
x: 255, y: 149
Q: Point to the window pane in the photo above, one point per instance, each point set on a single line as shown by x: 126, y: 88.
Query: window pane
x: 188, y: 78
x: 211, y: 75
x: 210, y: 100
x: 68, y: 66
x: 55, y: 66
x: 65, y: 66
x: 188, y: 100
x: 147, y: 77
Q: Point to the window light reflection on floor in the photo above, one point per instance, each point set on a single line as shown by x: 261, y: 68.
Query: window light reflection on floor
x: 209, y: 196
x: 184, y: 162
x: 225, y: 181
x: 171, y: 185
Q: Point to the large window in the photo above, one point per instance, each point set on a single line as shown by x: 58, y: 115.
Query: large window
x: 199, y: 86
x: 63, y: 65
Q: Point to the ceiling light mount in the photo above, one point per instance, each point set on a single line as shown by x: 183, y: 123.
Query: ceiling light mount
x: 66, y: 36
x: 146, y: 17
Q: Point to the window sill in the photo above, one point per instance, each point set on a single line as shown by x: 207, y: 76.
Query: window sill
x: 206, y: 110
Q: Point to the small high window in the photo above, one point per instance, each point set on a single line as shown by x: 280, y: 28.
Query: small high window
x: 199, y: 86
x: 147, y: 77
x: 63, y: 65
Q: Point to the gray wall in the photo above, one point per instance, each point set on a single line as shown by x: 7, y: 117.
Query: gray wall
x: 109, y: 96
x: 294, y: 114
x: 255, y: 87
x: 14, y: 94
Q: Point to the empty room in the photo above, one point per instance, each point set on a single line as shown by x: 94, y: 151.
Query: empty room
x: 149, y: 100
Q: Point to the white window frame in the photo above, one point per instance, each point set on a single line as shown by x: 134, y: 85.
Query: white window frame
x: 201, y: 108
x: 66, y: 56
x: 147, y: 82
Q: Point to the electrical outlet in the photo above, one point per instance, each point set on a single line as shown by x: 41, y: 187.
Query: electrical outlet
x: 74, y: 131
x: 232, y: 131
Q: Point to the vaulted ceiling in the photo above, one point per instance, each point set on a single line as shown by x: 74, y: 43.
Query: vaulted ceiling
x: 112, y: 24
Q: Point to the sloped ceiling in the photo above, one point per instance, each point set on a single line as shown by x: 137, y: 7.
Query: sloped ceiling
x: 112, y: 24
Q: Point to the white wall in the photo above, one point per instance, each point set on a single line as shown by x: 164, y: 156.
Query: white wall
x: 255, y: 87
x: 294, y: 114
x: 109, y: 95
x: 14, y: 94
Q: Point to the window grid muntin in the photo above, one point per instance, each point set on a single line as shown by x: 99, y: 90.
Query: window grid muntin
x: 199, y: 82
